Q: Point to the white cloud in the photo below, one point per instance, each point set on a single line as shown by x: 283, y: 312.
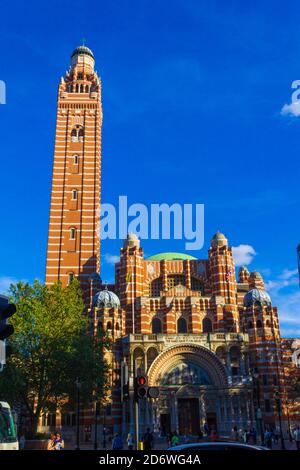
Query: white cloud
x: 243, y: 254
x: 292, y: 109
x: 111, y: 259
x: 5, y: 282
x: 285, y: 294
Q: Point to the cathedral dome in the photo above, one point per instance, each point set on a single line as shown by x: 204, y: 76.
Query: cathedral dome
x: 257, y: 296
x: 106, y: 299
x: 82, y: 50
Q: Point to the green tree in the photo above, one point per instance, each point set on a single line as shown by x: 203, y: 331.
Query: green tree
x: 52, y: 345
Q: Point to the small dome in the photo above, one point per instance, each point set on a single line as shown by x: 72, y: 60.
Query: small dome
x: 83, y: 50
x: 255, y: 275
x: 219, y: 239
x: 243, y: 269
x: 257, y: 296
x: 106, y: 299
x: 132, y: 240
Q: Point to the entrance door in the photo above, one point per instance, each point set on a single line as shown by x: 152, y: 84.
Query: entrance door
x: 211, y: 419
x: 188, y: 416
x: 165, y: 424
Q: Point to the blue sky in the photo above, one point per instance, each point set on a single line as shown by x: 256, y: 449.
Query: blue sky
x: 193, y: 93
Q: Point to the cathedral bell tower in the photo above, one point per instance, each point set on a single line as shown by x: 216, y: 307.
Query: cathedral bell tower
x: 74, y: 224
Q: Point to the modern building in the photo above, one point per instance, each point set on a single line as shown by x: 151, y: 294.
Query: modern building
x: 208, y: 338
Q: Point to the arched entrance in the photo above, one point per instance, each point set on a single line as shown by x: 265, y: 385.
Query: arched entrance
x: 188, y: 377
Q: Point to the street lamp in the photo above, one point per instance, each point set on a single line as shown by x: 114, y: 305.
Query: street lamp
x: 97, y: 412
x: 255, y: 375
x: 78, y: 386
x: 104, y: 426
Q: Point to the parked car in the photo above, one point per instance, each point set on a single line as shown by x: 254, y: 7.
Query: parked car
x: 217, y: 445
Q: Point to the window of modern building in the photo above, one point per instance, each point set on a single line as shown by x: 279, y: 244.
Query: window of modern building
x: 74, y: 194
x: 76, y: 159
x: 181, y: 325
x: 70, y: 277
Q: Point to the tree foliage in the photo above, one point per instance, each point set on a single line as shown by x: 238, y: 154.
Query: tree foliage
x: 50, y: 348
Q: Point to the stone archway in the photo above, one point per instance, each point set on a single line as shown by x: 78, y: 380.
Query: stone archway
x: 197, y: 354
x: 174, y: 371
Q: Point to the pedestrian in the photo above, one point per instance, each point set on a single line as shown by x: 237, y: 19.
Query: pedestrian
x: 130, y: 442
x: 268, y: 439
x: 148, y: 440
x: 59, y: 443
x: 297, y: 437
x: 175, y: 439
x: 50, y: 443
x: 22, y: 441
x: 245, y: 436
x: 235, y: 434
x: 117, y: 443
x: 213, y: 435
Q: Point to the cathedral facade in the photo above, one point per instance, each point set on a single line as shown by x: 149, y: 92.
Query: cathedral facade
x: 206, y: 336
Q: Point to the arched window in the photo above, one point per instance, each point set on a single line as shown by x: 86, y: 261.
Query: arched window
x: 258, y: 324
x: 108, y: 326
x: 222, y: 354
x: 156, y: 326
x: 75, y: 159
x: 138, y: 360
x: 80, y: 134
x: 77, y: 134
x: 70, y: 278
x: 74, y: 194
x: 268, y: 323
x: 117, y: 327
x: 181, y: 325
x: 151, y: 355
x: 72, y: 233
x: 250, y: 325
x: 206, y: 325
x: 81, y: 88
x: 87, y: 89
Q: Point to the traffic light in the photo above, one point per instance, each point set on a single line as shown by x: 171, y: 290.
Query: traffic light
x: 140, y: 387
x: 6, y: 310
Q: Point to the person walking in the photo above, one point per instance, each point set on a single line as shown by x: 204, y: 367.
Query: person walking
x: 59, y: 443
x: 130, y: 442
x: 117, y: 443
x: 297, y: 437
x: 22, y: 441
x: 148, y: 440
x: 175, y: 439
x: 51, y: 442
x: 268, y: 439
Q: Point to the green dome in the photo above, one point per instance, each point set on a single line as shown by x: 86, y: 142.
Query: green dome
x: 170, y: 256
